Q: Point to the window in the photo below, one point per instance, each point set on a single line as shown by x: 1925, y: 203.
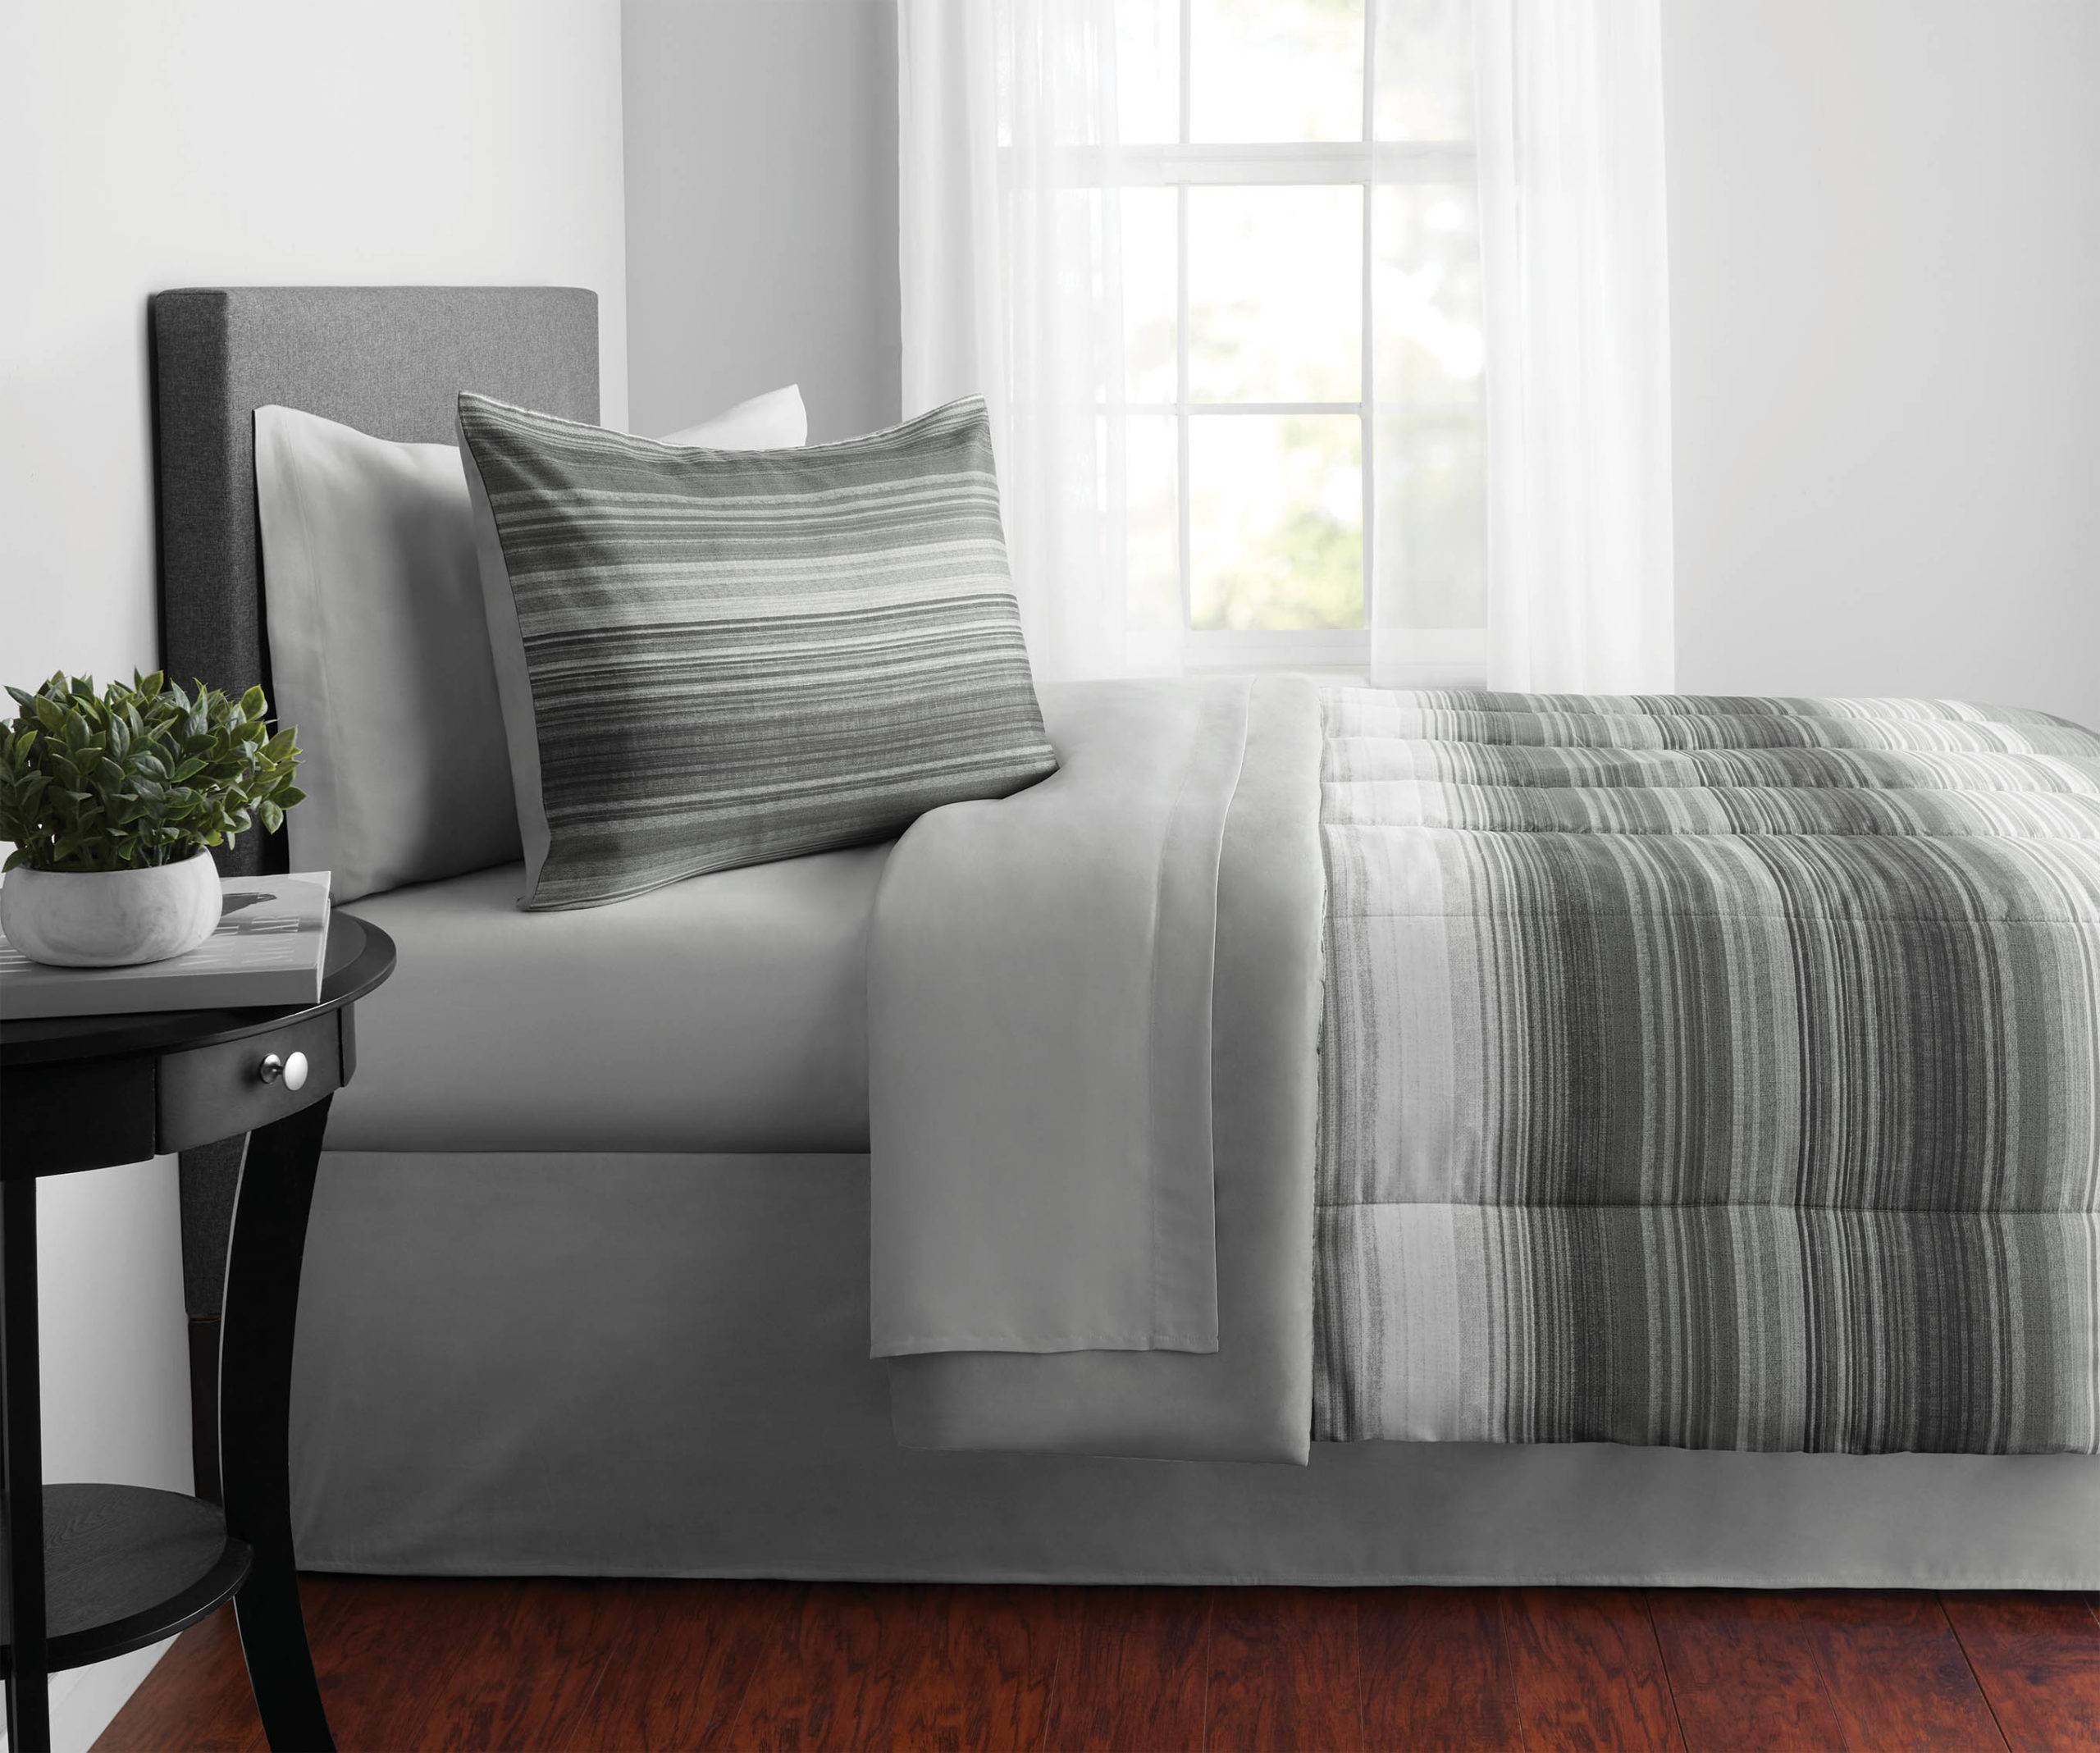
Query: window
x: 1303, y: 326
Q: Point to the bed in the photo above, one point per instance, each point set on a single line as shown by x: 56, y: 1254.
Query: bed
x: 610, y: 1309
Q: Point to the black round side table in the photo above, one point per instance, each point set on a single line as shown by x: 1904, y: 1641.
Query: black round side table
x: 92, y: 1571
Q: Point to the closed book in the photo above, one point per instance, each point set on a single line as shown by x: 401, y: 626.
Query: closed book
x: 271, y: 940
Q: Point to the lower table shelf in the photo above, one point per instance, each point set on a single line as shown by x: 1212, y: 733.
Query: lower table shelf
x: 125, y: 1567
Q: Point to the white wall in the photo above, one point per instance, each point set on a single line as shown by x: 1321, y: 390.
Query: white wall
x: 761, y: 209
x: 1884, y: 276
x: 214, y: 142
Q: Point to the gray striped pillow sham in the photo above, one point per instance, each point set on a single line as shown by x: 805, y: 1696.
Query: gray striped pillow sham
x: 708, y: 658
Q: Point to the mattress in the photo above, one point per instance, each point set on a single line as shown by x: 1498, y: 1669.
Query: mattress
x: 728, y: 1013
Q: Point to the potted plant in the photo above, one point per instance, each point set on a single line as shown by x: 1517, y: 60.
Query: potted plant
x: 113, y: 801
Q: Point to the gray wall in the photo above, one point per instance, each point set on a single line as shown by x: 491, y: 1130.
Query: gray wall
x: 761, y: 209
x: 1885, y: 289
x: 1885, y: 267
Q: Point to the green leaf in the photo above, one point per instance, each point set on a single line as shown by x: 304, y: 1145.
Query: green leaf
x: 138, y: 773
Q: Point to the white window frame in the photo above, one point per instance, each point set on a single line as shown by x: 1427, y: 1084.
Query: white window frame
x: 1367, y: 163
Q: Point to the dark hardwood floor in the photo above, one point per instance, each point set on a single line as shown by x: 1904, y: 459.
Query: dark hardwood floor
x: 539, y: 1663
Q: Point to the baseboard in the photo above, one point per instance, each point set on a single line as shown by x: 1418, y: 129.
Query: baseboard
x: 84, y: 1700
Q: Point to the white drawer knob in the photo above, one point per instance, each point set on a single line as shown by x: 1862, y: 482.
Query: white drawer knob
x: 292, y: 1071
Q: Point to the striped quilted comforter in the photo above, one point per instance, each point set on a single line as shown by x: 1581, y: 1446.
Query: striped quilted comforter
x: 1712, y: 1072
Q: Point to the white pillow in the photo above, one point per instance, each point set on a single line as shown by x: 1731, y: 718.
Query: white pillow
x: 379, y: 644
x: 775, y: 420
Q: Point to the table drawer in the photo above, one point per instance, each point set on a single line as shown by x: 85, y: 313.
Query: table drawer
x: 213, y: 1092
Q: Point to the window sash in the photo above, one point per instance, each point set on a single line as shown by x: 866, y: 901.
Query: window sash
x: 1367, y: 164
x: 1286, y: 162
x: 1435, y: 657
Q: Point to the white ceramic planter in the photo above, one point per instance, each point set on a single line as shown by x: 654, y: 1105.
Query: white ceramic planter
x: 110, y: 919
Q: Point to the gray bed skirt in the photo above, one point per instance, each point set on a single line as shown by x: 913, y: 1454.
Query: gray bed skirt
x: 657, y: 1365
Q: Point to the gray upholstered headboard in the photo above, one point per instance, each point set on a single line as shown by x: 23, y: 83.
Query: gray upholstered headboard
x: 390, y: 361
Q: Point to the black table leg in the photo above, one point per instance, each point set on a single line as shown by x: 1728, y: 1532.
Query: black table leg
x: 21, y: 1473
x: 255, y: 1376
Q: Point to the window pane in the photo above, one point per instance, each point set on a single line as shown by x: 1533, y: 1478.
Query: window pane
x: 1148, y: 292
x: 1431, y: 520
x: 1425, y: 85
x: 1276, y: 294
x: 1425, y: 283
x: 1148, y: 71
x: 1275, y: 521
x: 1276, y: 70
x: 1152, y: 527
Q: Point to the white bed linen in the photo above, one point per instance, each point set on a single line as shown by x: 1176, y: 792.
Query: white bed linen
x: 728, y: 1013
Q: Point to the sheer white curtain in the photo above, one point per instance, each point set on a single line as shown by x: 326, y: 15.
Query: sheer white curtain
x: 1011, y: 228
x: 1575, y: 279
x: 1010, y: 234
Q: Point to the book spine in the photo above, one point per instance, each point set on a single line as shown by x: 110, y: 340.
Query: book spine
x: 279, y: 988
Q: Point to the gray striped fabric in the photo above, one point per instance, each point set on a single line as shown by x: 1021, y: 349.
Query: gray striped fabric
x: 736, y: 656
x: 1716, y: 1073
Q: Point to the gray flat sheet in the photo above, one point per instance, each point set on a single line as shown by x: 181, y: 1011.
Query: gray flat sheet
x: 726, y: 1013
x: 1040, y: 1009
x: 1029, y: 1203
x: 657, y: 1365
